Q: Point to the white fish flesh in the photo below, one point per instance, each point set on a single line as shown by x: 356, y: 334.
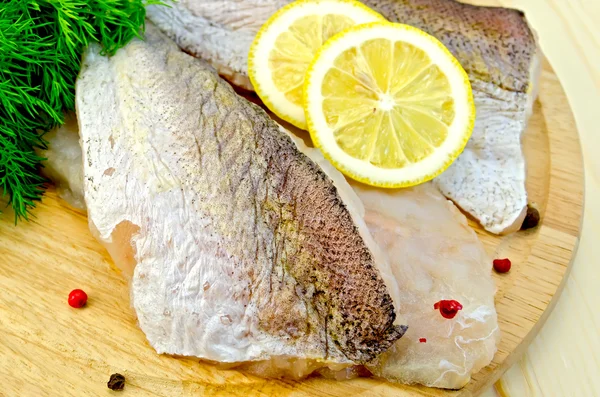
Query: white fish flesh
x: 63, y: 164
x: 435, y: 256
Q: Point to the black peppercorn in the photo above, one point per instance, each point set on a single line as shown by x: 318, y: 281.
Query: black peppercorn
x: 116, y: 382
x: 532, y: 219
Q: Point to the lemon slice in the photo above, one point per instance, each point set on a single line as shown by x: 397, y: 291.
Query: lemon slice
x: 388, y: 104
x: 287, y: 43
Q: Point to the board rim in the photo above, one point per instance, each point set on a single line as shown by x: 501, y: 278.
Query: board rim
x: 477, y: 387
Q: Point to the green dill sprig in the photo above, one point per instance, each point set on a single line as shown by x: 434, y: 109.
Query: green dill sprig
x: 41, y: 42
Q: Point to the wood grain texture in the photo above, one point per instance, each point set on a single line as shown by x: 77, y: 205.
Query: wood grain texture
x: 48, y: 348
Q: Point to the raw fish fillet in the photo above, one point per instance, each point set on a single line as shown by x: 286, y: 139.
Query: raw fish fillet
x: 494, y: 45
x: 243, y: 249
x: 434, y: 255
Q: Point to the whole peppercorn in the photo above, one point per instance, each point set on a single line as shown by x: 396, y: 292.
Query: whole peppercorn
x: 116, y: 382
x: 532, y: 219
x: 448, y: 308
x: 77, y: 298
x: 502, y: 265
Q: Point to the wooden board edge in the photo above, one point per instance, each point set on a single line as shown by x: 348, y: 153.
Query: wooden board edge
x: 557, y: 223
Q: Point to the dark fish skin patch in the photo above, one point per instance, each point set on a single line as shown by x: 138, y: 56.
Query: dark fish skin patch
x: 493, y: 44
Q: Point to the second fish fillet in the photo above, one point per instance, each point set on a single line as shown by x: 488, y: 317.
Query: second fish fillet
x: 494, y: 45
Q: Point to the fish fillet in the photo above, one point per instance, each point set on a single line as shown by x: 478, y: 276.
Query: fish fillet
x: 242, y: 248
x: 434, y: 255
x: 494, y: 45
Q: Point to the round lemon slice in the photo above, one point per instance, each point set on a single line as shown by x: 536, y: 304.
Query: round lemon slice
x: 287, y: 43
x: 388, y: 104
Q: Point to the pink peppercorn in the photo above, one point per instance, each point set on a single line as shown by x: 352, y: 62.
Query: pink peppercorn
x: 502, y: 265
x: 448, y: 308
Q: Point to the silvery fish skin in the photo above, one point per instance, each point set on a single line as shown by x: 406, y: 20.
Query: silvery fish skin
x: 498, y: 50
x: 240, y: 246
x: 495, y: 46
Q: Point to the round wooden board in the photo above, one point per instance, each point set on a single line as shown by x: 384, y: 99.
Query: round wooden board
x: 47, y: 348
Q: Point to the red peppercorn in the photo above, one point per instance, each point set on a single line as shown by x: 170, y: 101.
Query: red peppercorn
x: 77, y: 298
x: 423, y: 340
x: 448, y: 309
x: 502, y: 265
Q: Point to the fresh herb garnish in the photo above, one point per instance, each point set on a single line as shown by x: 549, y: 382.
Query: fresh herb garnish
x: 41, y: 42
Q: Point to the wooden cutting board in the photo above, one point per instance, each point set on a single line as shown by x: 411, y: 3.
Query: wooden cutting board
x: 47, y: 348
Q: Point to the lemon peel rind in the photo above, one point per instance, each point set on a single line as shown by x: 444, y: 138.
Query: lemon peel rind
x: 366, y: 179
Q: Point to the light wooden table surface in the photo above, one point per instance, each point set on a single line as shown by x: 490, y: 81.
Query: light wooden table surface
x: 564, y: 359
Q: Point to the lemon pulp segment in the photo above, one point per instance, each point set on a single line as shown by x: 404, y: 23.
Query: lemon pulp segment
x: 388, y: 104
x: 295, y: 49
